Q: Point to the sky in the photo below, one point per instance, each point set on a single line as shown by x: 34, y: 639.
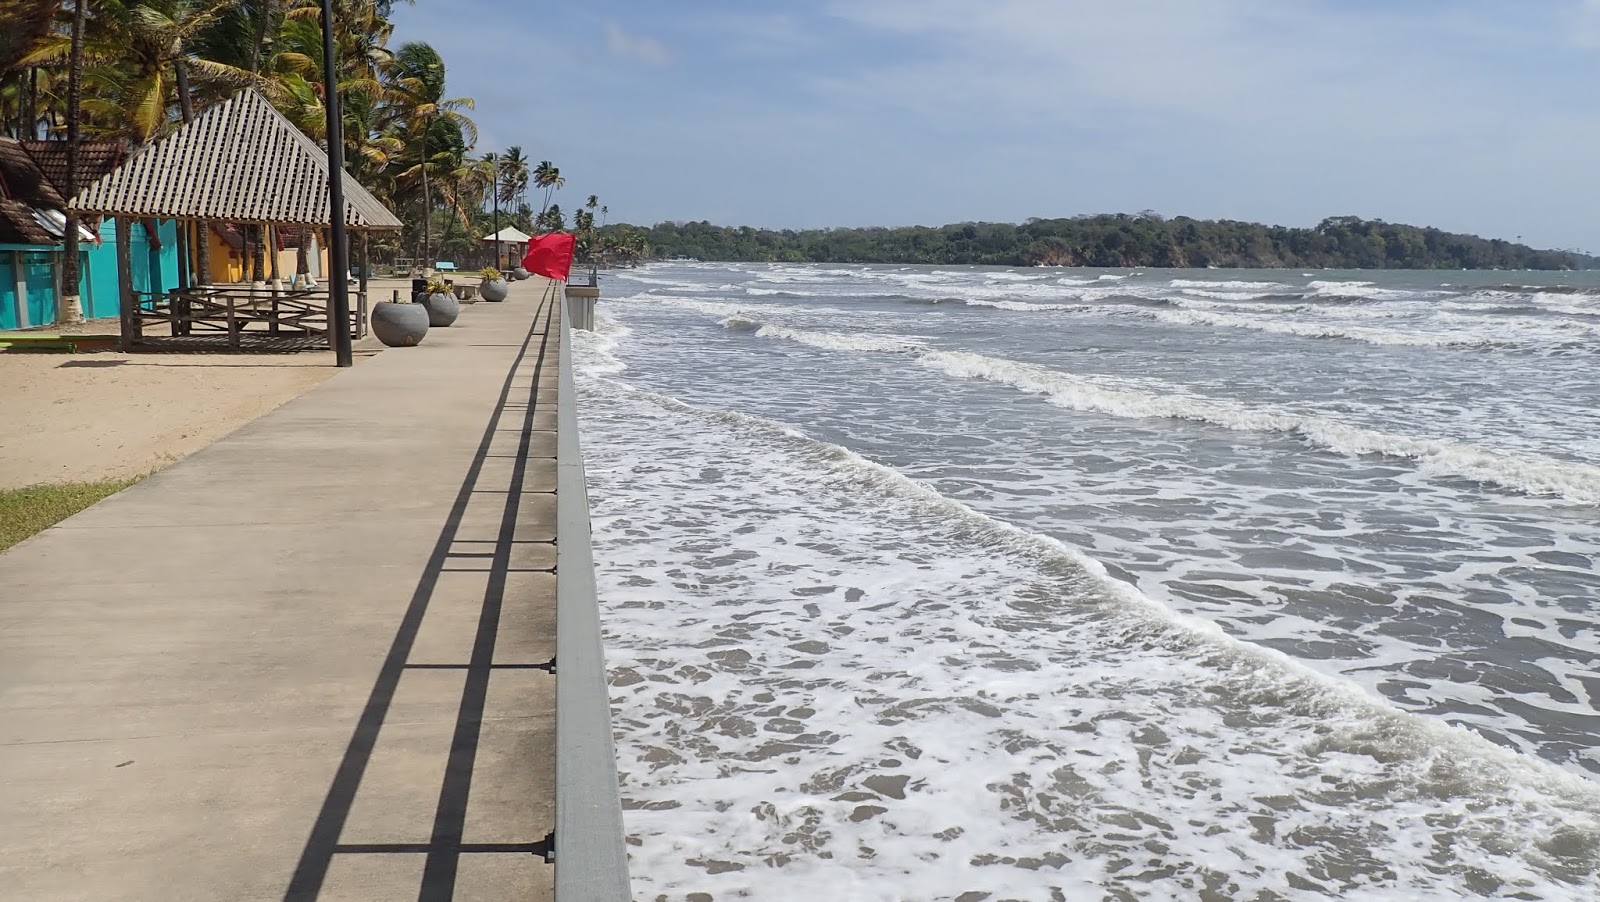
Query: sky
x: 1480, y: 116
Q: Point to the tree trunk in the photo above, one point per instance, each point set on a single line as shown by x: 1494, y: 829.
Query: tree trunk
x: 272, y: 249
x: 32, y: 112
x: 427, y: 203
x: 258, y: 253
x: 69, y: 306
x: 202, y: 250
x: 302, y: 256
x: 261, y: 34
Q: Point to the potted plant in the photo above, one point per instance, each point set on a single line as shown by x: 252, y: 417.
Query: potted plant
x: 441, y: 304
x: 399, y: 324
x: 493, y: 287
x: 521, y: 273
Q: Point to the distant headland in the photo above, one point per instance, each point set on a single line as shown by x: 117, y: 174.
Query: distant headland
x: 1109, y: 240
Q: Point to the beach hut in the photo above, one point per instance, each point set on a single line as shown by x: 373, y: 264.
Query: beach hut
x: 238, y: 162
x: 513, y: 243
x: 33, y: 176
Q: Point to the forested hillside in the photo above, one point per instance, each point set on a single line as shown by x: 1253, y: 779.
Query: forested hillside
x: 1111, y: 240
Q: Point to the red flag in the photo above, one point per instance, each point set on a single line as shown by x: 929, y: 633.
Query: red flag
x: 550, y: 256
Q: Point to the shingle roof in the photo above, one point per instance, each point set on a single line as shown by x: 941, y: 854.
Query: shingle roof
x: 18, y: 225
x: 21, y: 179
x: 95, y: 159
x: 238, y: 161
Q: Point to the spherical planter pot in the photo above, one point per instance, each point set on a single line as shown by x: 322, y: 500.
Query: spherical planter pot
x: 494, y: 291
x: 399, y: 325
x: 521, y: 273
x: 442, y: 308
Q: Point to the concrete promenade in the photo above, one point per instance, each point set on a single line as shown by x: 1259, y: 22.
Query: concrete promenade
x: 309, y: 661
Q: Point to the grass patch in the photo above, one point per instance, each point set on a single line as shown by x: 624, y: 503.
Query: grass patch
x: 32, y: 510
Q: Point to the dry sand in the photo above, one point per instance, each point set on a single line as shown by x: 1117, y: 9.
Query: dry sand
x: 82, y: 417
x: 108, y: 415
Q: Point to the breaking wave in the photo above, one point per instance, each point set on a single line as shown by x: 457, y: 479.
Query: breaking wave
x: 1527, y: 474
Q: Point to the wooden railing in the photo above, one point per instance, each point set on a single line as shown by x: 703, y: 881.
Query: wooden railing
x: 241, y: 316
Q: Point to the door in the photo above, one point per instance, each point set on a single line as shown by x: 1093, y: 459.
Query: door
x: 39, y: 272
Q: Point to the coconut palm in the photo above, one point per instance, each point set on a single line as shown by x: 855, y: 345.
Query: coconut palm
x: 24, y: 28
x: 552, y: 219
x: 416, y: 90
x: 70, y: 308
x: 514, y: 175
x: 548, y: 177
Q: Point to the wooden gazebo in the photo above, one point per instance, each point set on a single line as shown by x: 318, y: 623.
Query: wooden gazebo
x: 240, y: 161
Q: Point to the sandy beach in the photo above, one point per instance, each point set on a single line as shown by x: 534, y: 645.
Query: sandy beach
x: 86, y: 417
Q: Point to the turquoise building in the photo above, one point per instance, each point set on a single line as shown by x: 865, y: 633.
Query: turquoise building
x: 30, y: 274
x: 31, y: 230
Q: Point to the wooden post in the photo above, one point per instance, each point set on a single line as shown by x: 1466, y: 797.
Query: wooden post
x: 22, y: 290
x: 128, y: 308
x: 361, y: 296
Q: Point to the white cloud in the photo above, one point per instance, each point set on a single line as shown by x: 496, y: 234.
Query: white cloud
x: 635, y: 47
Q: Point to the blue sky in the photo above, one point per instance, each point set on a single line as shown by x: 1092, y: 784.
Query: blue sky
x: 1470, y: 115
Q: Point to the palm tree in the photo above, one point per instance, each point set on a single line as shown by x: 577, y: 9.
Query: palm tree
x: 416, y: 84
x: 515, y: 174
x: 24, y: 28
x: 552, y: 219
x: 70, y: 310
x: 549, y: 178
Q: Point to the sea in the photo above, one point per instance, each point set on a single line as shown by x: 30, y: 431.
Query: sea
x: 976, y: 583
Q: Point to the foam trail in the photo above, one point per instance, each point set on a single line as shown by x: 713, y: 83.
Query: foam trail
x: 1316, y: 330
x: 1527, y: 474
x: 1230, y: 730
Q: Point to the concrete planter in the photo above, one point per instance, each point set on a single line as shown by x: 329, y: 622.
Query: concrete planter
x: 493, y: 291
x: 442, y: 308
x: 399, y: 325
x: 521, y: 273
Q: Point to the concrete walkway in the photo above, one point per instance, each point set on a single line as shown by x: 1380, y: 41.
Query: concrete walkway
x: 308, y: 661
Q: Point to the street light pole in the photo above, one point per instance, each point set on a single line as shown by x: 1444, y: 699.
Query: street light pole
x: 497, y: 260
x: 338, y: 251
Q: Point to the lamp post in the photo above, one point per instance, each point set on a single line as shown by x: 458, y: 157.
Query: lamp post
x: 497, y: 260
x: 338, y: 252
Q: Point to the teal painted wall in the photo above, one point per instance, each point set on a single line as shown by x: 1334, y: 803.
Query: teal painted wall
x: 39, y: 272
x: 8, y: 292
x: 155, y: 270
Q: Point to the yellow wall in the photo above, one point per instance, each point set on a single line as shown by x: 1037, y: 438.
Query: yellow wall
x: 228, y: 265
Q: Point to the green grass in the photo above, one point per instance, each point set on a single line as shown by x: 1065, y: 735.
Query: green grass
x: 28, y: 511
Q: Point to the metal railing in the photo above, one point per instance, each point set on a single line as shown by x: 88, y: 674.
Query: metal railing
x: 591, y: 857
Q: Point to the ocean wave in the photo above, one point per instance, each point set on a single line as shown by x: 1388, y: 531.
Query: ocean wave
x: 1367, y: 291
x: 1448, y: 761
x: 828, y: 341
x: 1025, y: 306
x: 1234, y: 285
x: 1527, y: 474
x: 1323, y: 330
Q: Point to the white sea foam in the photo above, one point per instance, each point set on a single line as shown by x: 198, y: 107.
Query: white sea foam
x: 1407, y: 338
x: 1024, y: 306
x: 828, y: 341
x: 1528, y: 474
x: 830, y: 679
x: 1232, y: 285
x: 1365, y: 290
